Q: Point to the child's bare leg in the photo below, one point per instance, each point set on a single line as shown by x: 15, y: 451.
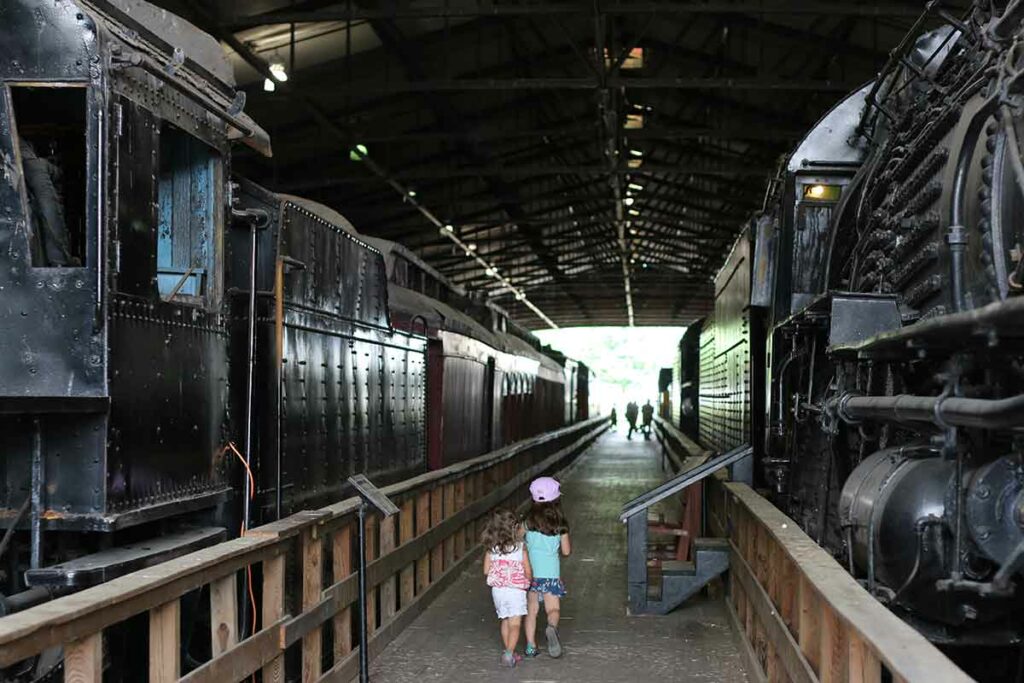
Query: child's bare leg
x: 511, y: 634
x: 504, y: 631
x: 552, y: 608
x: 532, y: 608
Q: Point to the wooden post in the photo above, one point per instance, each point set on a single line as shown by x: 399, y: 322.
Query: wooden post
x: 774, y: 572
x: 468, y: 532
x: 224, y: 614
x: 436, y: 515
x: 864, y: 664
x: 834, y: 647
x: 165, y: 642
x: 388, y: 594
x: 83, y: 660
x: 311, y: 552
x: 481, y: 490
x: 342, y: 557
x: 371, y: 555
x: 406, y: 581
x: 422, y: 526
x: 809, y: 620
x: 788, y: 592
x: 459, y: 502
x: 449, y: 510
x: 636, y: 563
x: 273, y: 609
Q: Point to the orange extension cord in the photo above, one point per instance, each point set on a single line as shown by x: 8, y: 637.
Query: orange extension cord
x: 251, y: 494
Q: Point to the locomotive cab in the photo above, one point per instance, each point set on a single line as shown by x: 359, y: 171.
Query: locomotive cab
x: 115, y: 125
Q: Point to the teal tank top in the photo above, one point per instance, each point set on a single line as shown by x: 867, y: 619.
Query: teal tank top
x: 544, y: 554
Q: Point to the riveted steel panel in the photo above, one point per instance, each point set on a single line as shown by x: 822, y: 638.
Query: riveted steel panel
x: 725, y: 388
x: 339, y: 392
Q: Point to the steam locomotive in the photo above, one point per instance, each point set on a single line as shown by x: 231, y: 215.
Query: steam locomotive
x: 186, y: 355
x: 867, y: 333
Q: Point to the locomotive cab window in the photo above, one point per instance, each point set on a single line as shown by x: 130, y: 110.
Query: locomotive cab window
x: 186, y: 205
x: 51, y: 144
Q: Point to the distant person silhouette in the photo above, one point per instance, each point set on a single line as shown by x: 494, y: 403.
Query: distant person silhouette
x: 648, y: 414
x: 615, y: 419
x: 632, y: 410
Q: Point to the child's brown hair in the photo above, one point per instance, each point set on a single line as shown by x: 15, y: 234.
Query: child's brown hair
x: 501, y: 535
x: 547, y: 518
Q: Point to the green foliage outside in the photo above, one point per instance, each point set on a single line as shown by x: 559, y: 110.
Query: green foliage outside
x: 626, y: 359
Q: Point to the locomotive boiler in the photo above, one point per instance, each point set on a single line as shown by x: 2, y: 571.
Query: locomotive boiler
x: 867, y: 340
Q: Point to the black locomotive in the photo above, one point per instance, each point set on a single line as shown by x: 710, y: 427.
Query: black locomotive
x: 867, y: 332
x: 184, y: 354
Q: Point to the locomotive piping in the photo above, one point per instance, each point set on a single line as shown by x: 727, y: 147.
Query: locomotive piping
x: 1004, y: 27
x: 956, y: 237
x: 37, y: 493
x: 953, y: 411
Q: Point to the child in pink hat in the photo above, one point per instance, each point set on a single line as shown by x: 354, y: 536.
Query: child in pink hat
x: 547, y: 540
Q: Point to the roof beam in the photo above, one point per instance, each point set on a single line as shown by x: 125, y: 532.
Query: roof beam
x: 449, y: 118
x: 470, y: 10
x: 627, y: 83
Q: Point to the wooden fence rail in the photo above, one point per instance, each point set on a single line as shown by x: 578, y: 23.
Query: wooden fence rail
x: 300, y: 570
x: 803, y: 616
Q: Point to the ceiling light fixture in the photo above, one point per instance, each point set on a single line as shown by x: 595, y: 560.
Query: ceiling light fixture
x: 358, y: 152
x: 277, y: 70
x: 628, y: 201
x: 636, y: 152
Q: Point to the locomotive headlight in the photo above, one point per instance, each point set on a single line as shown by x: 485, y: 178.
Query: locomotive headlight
x: 822, y: 193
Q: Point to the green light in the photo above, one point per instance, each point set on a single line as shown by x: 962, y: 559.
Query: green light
x: 358, y: 152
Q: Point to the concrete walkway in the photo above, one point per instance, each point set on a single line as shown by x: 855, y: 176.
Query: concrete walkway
x: 457, y: 638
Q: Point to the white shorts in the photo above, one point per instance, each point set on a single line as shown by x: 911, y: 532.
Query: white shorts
x: 509, y: 602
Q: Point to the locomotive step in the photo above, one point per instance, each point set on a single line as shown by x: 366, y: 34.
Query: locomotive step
x: 105, y: 565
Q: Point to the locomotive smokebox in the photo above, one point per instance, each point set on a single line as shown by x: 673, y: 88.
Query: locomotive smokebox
x: 901, y: 515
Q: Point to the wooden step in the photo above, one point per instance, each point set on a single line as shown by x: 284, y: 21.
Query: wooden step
x: 710, y: 543
x: 678, y: 568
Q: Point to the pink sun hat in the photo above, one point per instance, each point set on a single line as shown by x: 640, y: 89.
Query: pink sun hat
x: 545, y: 489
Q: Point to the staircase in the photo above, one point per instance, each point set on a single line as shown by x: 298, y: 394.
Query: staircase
x: 680, y: 580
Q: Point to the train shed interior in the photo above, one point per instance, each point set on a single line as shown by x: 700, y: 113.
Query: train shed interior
x: 283, y: 395
x: 595, y: 160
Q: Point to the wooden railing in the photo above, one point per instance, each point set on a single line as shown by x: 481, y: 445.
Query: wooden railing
x: 301, y: 570
x: 806, y: 618
x: 803, y: 617
x: 675, y: 446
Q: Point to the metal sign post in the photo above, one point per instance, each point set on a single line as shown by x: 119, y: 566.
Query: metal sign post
x: 369, y: 495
